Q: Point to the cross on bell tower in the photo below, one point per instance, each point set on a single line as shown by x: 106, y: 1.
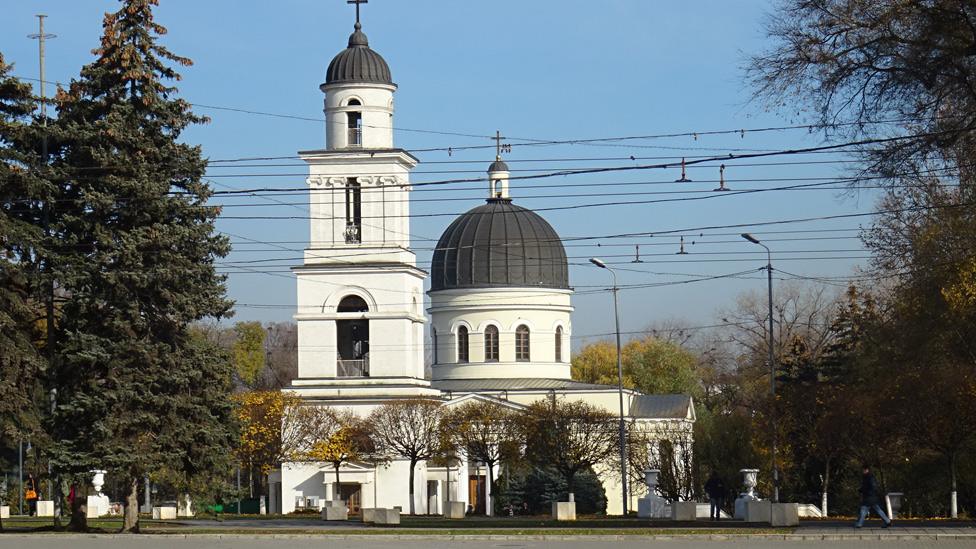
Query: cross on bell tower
x: 499, y: 146
x: 357, y: 2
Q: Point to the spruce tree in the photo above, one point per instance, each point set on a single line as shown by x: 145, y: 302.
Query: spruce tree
x: 21, y: 191
x: 137, y: 394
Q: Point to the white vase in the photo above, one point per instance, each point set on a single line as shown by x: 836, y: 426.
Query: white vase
x: 650, y: 478
x: 98, y: 480
x: 749, y: 481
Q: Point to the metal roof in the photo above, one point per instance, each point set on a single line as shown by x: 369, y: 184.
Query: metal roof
x: 499, y: 244
x: 661, y: 406
x: 358, y: 63
x: 498, y: 166
x: 514, y: 384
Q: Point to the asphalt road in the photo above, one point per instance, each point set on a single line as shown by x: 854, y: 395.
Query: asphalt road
x: 172, y: 542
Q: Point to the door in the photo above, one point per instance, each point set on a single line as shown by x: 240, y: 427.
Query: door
x: 476, y: 493
x: 352, y: 494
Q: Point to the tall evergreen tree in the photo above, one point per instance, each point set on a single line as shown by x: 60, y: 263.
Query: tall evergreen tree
x: 131, y: 379
x: 21, y: 190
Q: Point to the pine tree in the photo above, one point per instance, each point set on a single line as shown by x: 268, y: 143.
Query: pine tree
x: 136, y: 393
x: 21, y: 190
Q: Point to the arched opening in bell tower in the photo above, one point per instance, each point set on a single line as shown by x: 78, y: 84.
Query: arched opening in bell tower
x: 352, y: 339
x: 354, y: 123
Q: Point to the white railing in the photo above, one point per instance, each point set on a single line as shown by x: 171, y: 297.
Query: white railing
x: 352, y: 368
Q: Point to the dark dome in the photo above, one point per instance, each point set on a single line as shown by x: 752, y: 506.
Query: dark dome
x: 358, y: 63
x: 499, y: 244
x: 498, y: 166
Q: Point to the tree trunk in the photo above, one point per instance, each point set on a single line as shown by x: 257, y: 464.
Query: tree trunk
x: 953, y: 507
x: 826, y: 487
x: 413, y: 463
x: 79, y: 510
x: 490, y: 493
x: 130, y: 515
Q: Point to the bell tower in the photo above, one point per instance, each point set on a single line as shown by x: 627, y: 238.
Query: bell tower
x: 360, y: 307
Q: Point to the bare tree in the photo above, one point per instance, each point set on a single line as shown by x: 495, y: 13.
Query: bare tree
x: 666, y: 447
x: 408, y: 429
x: 857, y: 62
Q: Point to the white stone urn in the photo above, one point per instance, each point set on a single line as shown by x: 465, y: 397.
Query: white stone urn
x: 749, y: 482
x: 650, y: 478
x: 98, y: 480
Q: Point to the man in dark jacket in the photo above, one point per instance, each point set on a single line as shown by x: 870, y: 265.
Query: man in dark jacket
x: 715, y: 489
x: 870, y: 499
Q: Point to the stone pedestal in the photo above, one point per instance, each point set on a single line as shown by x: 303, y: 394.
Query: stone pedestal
x: 758, y: 511
x: 893, y: 503
x: 564, y: 510
x: 684, y: 510
x: 784, y: 514
x: 367, y: 514
x: 97, y: 506
x: 4, y: 511
x: 388, y: 516
x: 653, y: 506
x: 335, y: 510
x: 164, y: 513
x: 455, y: 510
x: 45, y: 508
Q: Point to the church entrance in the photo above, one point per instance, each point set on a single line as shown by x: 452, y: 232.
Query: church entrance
x: 476, y: 493
x: 351, y: 493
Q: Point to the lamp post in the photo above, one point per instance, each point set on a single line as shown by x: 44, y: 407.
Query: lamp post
x: 620, y: 383
x: 772, y: 365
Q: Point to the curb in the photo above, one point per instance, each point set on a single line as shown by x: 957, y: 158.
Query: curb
x: 508, y: 537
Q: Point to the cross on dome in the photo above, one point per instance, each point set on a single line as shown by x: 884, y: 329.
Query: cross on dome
x: 499, y: 146
x: 357, y: 2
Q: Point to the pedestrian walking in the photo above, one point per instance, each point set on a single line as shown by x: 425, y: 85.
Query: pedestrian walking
x: 870, y: 499
x: 30, y: 494
x: 715, y: 489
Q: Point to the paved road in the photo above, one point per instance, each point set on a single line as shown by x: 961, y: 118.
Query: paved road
x: 201, y: 542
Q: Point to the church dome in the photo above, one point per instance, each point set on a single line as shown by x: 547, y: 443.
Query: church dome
x: 499, y: 244
x: 358, y: 63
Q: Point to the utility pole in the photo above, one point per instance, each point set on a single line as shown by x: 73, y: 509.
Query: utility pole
x: 41, y: 38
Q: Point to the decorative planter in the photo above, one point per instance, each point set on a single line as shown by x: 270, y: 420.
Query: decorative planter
x: 749, y: 482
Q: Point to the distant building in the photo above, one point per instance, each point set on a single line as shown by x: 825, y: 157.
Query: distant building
x: 500, y: 304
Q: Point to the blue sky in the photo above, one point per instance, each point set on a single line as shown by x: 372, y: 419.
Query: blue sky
x: 544, y: 70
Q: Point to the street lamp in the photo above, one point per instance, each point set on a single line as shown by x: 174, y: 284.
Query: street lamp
x: 620, y: 383
x: 772, y: 366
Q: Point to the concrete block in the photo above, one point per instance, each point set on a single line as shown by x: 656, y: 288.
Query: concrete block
x: 4, y: 511
x: 455, y: 510
x: 45, y: 508
x: 367, y: 514
x: 335, y: 512
x: 97, y: 506
x: 758, y: 511
x: 684, y: 510
x: 809, y: 510
x: 164, y: 513
x: 388, y: 516
x: 564, y: 510
x: 705, y: 512
x: 785, y: 514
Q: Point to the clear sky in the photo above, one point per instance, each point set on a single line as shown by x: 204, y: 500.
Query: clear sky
x: 539, y: 70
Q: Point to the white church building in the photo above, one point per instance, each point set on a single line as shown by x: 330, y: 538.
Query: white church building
x: 499, y: 313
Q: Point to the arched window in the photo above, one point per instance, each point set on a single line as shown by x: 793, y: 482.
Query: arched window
x: 353, y: 102
x: 462, y: 344
x: 522, y: 343
x: 559, y: 344
x: 433, y: 340
x: 491, y: 344
x: 352, y: 304
x: 354, y: 212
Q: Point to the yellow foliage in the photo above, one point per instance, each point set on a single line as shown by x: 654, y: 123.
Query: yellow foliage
x: 260, y: 415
